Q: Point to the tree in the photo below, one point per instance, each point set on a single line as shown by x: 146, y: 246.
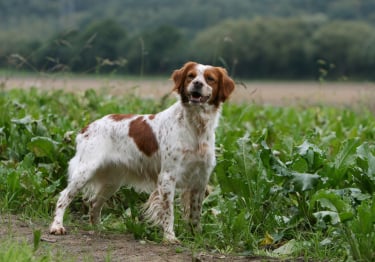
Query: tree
x: 58, y: 52
x: 261, y: 47
x: 100, y: 46
x: 347, y: 45
x: 155, y: 51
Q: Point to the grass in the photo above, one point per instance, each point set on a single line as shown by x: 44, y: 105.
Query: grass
x: 290, y: 182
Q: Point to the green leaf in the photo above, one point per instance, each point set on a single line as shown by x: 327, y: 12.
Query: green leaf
x: 43, y: 147
x: 36, y: 238
x: 13, y: 181
x: 324, y: 217
x: 346, y: 155
x: 24, y: 121
x: 306, y: 146
x: 360, y: 232
x: 304, y: 181
x: 316, y: 160
x: 367, y: 159
x: 299, y: 165
x: 287, y: 249
x: 239, y: 221
x: 366, y: 216
x: 330, y: 200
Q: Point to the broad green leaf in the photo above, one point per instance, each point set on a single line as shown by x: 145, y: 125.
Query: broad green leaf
x: 352, y: 193
x: 368, y: 159
x: 299, y: 165
x: 304, y: 181
x: 43, y: 147
x: 330, y: 200
x: 366, y: 216
x: 360, y: 232
x: 28, y: 161
x: 306, y: 146
x: 289, y: 248
x: 346, y: 155
x: 23, y: 121
x: 323, y: 217
x: 312, y: 154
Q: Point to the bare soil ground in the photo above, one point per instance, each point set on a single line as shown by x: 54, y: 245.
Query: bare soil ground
x: 84, y: 245
x: 96, y: 246
x: 274, y: 93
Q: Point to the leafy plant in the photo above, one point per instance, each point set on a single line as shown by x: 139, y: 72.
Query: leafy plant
x: 288, y: 181
x: 360, y: 232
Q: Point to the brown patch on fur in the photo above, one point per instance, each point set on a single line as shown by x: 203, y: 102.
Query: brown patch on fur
x: 143, y: 136
x: 226, y: 85
x: 165, y: 196
x: 166, y: 205
x: 203, y: 148
x: 216, y: 77
x: 223, y: 86
x: 120, y: 117
x: 179, y: 79
x: 83, y: 130
x: 151, y: 117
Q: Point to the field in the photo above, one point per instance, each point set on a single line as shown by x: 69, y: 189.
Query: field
x: 295, y: 175
x: 260, y: 92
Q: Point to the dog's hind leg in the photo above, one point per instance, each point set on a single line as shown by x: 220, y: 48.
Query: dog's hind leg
x: 159, y: 207
x: 101, y: 195
x: 79, y: 176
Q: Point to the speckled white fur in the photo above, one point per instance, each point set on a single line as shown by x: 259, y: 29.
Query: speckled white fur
x: 112, y: 152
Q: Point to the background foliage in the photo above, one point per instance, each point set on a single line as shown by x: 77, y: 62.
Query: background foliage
x: 281, y: 39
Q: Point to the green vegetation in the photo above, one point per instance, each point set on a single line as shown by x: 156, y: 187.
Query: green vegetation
x: 190, y: 16
x: 258, y: 39
x: 290, y: 182
x: 22, y: 251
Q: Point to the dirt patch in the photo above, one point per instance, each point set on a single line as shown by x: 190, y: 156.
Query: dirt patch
x: 84, y: 245
x: 273, y: 93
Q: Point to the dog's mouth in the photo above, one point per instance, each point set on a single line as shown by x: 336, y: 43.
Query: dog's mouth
x: 198, y: 98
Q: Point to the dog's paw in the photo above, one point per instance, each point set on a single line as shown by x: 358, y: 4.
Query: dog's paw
x: 57, y: 230
x: 170, y: 239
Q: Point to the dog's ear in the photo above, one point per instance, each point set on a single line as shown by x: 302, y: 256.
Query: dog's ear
x: 226, y: 85
x: 179, y: 76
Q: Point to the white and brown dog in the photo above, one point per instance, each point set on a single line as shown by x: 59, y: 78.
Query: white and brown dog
x: 154, y: 153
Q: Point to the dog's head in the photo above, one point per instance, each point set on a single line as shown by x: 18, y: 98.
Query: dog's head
x: 199, y: 84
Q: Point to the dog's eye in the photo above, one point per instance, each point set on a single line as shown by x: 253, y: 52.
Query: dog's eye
x: 210, y: 79
x: 190, y: 76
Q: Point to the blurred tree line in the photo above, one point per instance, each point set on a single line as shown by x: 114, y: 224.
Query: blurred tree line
x: 290, y: 44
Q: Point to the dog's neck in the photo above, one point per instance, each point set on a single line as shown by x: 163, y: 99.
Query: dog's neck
x: 203, y: 119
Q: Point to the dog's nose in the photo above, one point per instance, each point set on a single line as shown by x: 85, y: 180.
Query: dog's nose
x: 197, y: 84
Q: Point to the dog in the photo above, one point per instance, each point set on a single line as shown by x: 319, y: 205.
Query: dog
x: 155, y: 153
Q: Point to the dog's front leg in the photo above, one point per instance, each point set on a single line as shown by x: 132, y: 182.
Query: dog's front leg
x: 192, y: 203
x: 159, y: 207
